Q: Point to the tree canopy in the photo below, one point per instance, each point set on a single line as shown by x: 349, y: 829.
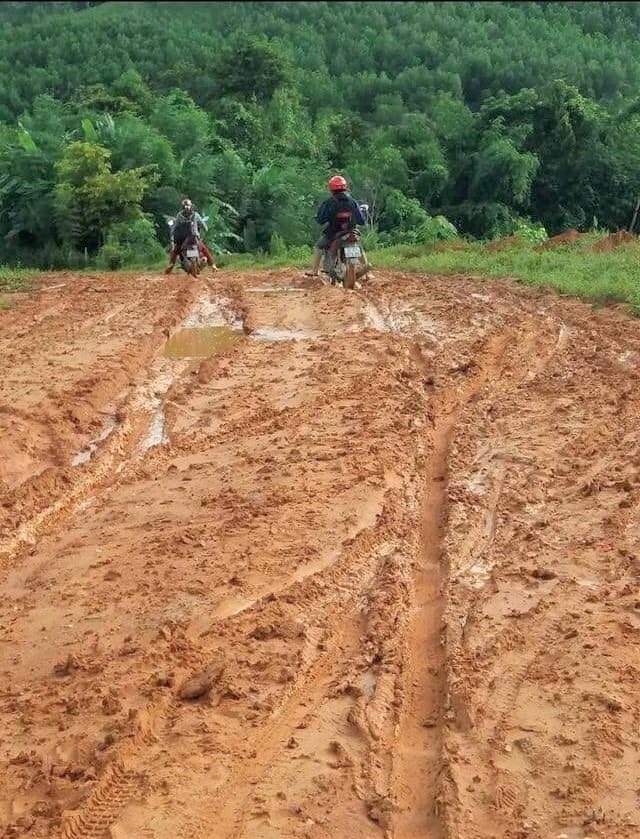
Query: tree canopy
x: 485, y: 113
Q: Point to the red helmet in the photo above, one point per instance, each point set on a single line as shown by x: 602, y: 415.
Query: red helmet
x: 337, y: 183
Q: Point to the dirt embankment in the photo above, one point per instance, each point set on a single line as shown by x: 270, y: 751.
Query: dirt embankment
x: 372, y: 569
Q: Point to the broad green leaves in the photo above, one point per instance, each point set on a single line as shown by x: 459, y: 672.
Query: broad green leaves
x: 486, y: 113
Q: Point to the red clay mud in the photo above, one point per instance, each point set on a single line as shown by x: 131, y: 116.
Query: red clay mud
x: 570, y: 237
x: 370, y: 570
x: 614, y: 240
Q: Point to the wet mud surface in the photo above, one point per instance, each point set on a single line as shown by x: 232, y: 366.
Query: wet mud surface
x: 281, y: 561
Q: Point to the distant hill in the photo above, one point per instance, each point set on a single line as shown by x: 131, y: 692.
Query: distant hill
x: 490, y: 113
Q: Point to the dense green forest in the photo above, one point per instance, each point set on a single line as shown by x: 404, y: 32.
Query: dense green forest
x: 494, y: 116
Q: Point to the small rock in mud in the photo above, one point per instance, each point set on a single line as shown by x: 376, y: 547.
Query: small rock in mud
x: 543, y: 574
x: 612, y: 703
x: 129, y: 647
x: 263, y: 632
x: 196, y: 687
x: 166, y: 632
x: 109, y: 740
x: 111, y: 705
x: 163, y: 680
x: 20, y: 759
x: 200, y: 684
x: 72, y: 706
x: 379, y: 811
x: 66, y: 667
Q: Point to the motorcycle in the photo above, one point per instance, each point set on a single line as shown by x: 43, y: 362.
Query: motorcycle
x: 344, y: 260
x: 192, y: 260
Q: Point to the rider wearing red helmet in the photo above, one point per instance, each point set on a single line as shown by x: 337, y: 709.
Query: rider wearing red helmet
x: 339, y: 212
x: 337, y: 184
x: 187, y: 216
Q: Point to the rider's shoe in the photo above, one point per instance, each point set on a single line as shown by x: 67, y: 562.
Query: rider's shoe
x: 169, y: 269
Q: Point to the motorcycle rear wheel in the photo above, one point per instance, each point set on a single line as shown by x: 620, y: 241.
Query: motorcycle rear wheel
x: 350, y: 275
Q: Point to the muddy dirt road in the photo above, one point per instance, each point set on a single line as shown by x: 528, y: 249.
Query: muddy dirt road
x: 370, y: 569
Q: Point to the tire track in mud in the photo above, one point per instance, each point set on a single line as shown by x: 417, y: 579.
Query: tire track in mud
x: 334, y: 640
x: 319, y: 667
x: 111, y: 455
x: 504, y: 794
x: 309, y: 691
x: 72, y: 366
x: 351, y: 575
x: 349, y: 685
x: 419, y: 746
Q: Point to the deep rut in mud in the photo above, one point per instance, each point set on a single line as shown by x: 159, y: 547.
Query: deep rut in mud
x: 281, y: 561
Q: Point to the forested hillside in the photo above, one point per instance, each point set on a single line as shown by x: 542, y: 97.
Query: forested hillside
x: 493, y: 115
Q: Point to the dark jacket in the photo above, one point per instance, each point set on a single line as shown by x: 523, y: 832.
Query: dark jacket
x: 339, y: 212
x: 185, y: 226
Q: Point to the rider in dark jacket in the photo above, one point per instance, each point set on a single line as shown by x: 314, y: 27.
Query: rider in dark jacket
x: 339, y: 212
x: 182, y: 224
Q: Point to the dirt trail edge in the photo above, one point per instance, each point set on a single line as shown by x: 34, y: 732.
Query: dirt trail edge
x: 369, y: 568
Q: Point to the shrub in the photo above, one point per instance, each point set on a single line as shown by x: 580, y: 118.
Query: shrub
x: 130, y: 244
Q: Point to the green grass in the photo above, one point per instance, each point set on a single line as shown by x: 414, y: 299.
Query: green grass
x: 574, y: 270
x: 292, y: 258
x: 13, y: 280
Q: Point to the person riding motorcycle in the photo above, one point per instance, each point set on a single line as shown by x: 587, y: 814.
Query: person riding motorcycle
x: 339, y: 212
x: 182, y: 226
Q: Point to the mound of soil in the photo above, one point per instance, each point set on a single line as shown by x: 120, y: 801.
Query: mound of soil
x: 613, y: 241
x: 570, y: 237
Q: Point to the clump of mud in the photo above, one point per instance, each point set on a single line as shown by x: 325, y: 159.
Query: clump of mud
x: 614, y: 240
x: 570, y: 237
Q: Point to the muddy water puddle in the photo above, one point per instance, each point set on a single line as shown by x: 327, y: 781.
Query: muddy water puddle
x: 201, y: 342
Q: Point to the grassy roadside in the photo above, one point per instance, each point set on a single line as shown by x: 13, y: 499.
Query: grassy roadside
x: 14, y: 280
x: 574, y: 270
x: 293, y: 258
